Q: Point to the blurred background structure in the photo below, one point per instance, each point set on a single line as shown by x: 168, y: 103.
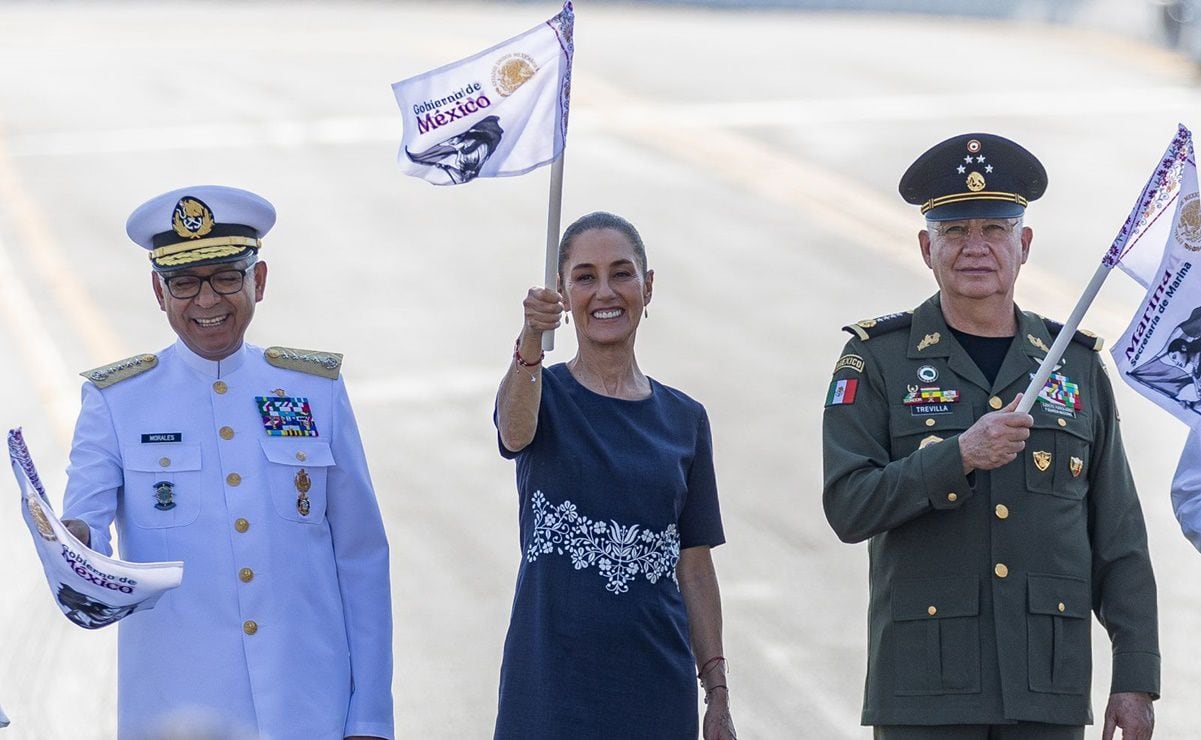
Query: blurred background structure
x: 756, y: 145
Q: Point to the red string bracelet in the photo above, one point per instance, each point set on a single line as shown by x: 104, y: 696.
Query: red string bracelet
x: 708, y: 663
x: 711, y: 689
x: 521, y: 360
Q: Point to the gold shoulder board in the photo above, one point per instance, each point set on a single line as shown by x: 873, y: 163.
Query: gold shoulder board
x: 325, y: 364
x: 113, y: 373
x: 869, y: 328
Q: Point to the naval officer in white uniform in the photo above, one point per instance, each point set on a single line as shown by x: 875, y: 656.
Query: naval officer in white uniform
x: 246, y: 464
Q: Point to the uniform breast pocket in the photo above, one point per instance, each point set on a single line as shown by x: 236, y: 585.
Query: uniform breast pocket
x: 296, y: 473
x: 935, y: 635
x: 1057, y: 457
x: 162, y: 485
x: 1058, y: 630
x: 915, y: 427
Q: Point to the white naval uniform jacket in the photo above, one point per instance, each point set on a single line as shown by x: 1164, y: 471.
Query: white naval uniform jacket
x: 282, y: 627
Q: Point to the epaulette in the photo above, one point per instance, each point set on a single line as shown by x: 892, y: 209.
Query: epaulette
x: 325, y: 364
x: 869, y: 328
x: 113, y: 373
x: 1082, y: 336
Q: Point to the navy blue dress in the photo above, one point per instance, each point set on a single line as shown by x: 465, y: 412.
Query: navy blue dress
x: 610, y: 491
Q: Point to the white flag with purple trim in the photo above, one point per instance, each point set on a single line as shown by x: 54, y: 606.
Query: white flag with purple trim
x: 92, y: 589
x: 499, y: 113
x: 1159, y: 354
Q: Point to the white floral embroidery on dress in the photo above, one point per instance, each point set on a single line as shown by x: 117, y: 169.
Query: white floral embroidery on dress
x: 619, y: 552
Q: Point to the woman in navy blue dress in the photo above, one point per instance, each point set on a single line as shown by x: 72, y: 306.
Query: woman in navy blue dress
x: 617, y: 610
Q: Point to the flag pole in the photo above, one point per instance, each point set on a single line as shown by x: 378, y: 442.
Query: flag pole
x: 553, y: 212
x: 1060, y: 345
x: 1112, y: 258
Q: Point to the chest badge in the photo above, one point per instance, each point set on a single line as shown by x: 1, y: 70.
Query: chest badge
x: 927, y: 399
x: 303, y: 484
x: 927, y: 374
x: 1060, y: 396
x: 1076, y: 465
x: 164, y: 495
x: 286, y: 416
x: 1042, y: 460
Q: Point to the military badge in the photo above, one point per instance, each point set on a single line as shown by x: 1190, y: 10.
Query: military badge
x: 164, y: 495
x: 928, y: 341
x: 1042, y: 460
x: 932, y: 439
x: 191, y: 218
x: 286, y: 416
x: 975, y: 182
x: 927, y: 374
x: 927, y: 400
x: 1038, y: 343
x: 1060, y: 396
x: 1076, y: 465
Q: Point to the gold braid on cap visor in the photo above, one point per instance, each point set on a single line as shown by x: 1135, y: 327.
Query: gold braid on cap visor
x: 186, y: 253
x: 982, y: 195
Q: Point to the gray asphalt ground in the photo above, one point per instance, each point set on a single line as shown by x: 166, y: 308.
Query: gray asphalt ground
x: 759, y: 154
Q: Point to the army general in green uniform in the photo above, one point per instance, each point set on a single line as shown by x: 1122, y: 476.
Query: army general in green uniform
x: 994, y: 535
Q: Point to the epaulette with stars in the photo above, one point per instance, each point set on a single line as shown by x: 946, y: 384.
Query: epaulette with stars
x: 115, y: 372
x: 313, y: 362
x: 1083, y: 336
x: 869, y: 328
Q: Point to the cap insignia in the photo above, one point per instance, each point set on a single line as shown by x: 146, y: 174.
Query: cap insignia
x: 973, y: 145
x: 975, y: 182
x: 191, y: 218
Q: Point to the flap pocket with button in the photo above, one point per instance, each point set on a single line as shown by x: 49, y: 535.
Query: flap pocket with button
x: 909, y: 430
x: 296, y: 474
x: 162, y: 484
x: 1058, y: 628
x: 935, y: 635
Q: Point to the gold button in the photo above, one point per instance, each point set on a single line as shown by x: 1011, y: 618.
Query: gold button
x: 1001, y: 570
x: 1062, y: 422
x: 274, y: 353
x: 1002, y: 511
x: 148, y: 358
x: 164, y: 462
x: 932, y: 610
x: 995, y: 402
x: 1062, y: 606
x: 241, y: 525
x: 250, y: 626
x: 246, y: 574
x: 233, y: 479
x: 227, y: 432
x: 280, y: 392
x: 220, y: 386
x: 930, y: 422
x: 952, y: 497
x: 301, y: 456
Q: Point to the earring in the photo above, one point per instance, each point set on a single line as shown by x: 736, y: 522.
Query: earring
x: 646, y: 314
x: 566, y: 318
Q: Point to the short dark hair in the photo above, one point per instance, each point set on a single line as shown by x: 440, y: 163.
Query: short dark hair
x: 601, y: 220
x: 1181, y: 344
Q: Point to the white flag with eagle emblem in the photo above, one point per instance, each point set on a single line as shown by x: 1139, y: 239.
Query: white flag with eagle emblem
x: 92, y: 589
x: 499, y: 113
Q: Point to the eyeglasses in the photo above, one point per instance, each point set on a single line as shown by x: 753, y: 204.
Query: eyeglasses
x: 226, y: 282
x: 959, y: 232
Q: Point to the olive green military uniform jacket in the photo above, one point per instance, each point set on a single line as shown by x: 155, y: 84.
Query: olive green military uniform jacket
x: 982, y: 585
